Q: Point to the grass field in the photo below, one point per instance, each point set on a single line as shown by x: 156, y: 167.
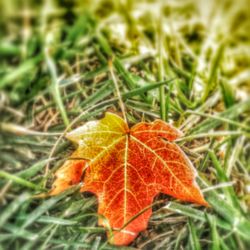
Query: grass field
x: 186, y: 62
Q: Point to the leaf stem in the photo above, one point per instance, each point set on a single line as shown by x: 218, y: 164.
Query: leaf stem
x: 161, y: 69
x: 110, y: 64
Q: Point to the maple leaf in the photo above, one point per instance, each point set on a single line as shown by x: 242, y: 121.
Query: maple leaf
x: 126, y: 168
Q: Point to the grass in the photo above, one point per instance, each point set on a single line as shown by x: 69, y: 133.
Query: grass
x: 186, y: 62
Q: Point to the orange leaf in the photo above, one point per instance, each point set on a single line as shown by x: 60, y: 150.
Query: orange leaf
x: 68, y: 175
x: 126, y: 168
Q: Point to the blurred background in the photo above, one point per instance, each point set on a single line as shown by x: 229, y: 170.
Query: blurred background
x: 191, y: 30
x: 53, y: 73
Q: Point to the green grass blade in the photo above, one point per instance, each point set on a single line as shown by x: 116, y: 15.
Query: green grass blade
x: 12, y: 208
x: 194, y: 240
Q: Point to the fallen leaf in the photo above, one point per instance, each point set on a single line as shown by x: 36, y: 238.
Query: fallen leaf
x: 126, y: 168
x: 68, y: 175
